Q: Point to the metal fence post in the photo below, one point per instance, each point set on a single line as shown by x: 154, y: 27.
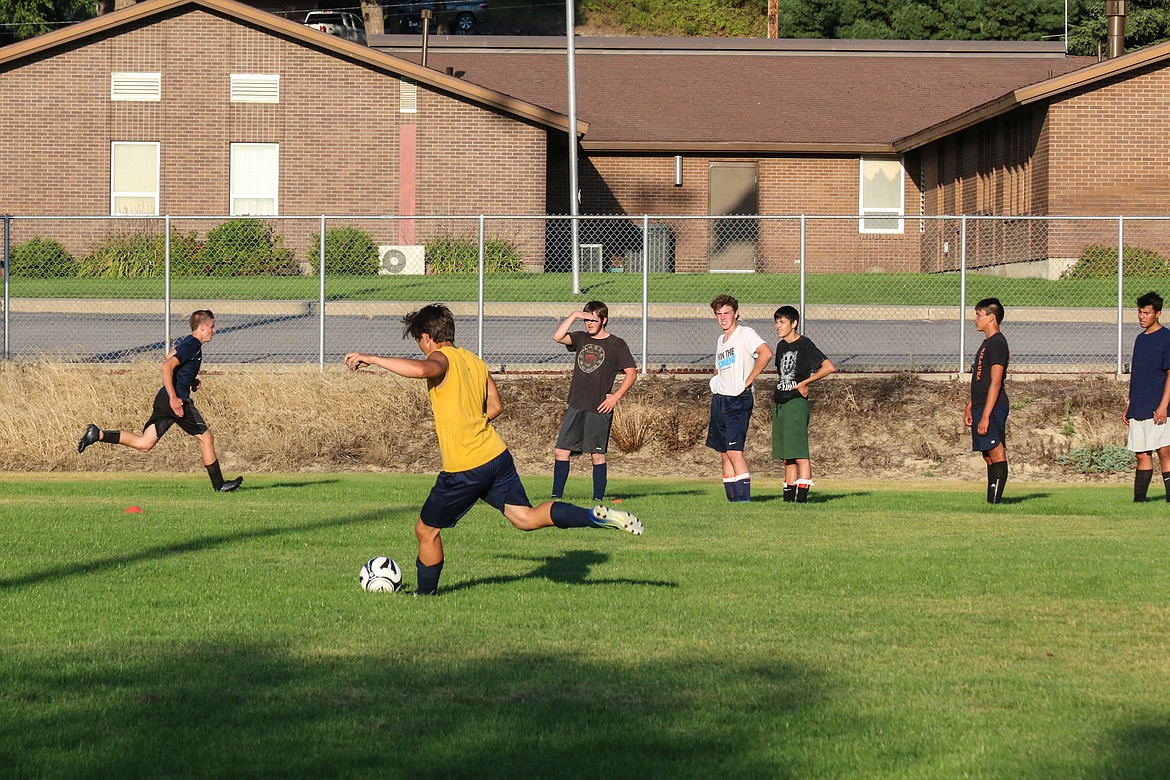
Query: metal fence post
x: 480, y: 293
x: 645, y: 292
x: 167, y: 285
x: 321, y: 302
x: 5, y: 268
x: 1120, y: 286
x: 803, y: 264
x: 962, y: 292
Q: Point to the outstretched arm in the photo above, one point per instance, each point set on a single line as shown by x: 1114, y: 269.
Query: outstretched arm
x: 561, y: 335
x: 432, y: 367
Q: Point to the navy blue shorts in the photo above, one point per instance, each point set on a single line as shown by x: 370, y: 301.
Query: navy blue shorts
x: 162, y: 417
x: 730, y: 416
x: 455, y: 493
x: 996, y: 429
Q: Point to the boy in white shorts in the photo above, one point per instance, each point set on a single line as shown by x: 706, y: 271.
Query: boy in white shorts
x: 1149, y: 395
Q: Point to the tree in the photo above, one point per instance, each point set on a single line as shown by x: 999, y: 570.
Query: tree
x: 27, y: 18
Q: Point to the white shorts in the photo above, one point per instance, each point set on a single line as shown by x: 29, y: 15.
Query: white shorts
x: 1145, y: 436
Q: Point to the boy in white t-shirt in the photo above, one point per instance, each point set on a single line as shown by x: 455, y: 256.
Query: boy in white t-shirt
x: 740, y: 356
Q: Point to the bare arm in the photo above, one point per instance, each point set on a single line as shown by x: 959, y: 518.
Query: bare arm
x: 763, y: 355
x: 168, y: 374
x: 992, y: 396
x: 433, y: 366
x: 1160, y: 412
x: 611, y: 399
x: 826, y: 368
x: 494, y: 404
x: 561, y: 335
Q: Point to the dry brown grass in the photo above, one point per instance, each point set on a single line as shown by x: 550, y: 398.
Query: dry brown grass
x: 298, y: 419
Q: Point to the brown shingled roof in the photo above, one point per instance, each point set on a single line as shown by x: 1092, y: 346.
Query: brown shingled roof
x: 746, y: 100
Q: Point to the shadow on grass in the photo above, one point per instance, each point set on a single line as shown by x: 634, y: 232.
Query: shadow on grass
x: 235, y: 710
x: 568, y: 568
x: 275, y: 485
x: 1019, y: 499
x: 1141, y: 751
x: 200, y: 544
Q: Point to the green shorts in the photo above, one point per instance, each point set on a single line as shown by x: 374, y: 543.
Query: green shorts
x: 790, y: 429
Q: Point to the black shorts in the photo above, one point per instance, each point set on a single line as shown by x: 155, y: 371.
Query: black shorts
x: 730, y: 417
x: 585, y: 431
x: 996, y: 429
x: 162, y: 417
x: 455, y: 492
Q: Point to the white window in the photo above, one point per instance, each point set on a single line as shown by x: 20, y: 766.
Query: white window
x: 882, y: 194
x: 136, y: 86
x: 255, y: 88
x: 255, y: 179
x: 134, y: 177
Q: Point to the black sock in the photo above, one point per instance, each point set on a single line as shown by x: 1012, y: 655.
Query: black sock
x: 802, y: 487
x: 215, y: 474
x: 1141, y: 483
x: 600, y: 477
x: 1166, y: 482
x: 111, y: 437
x: 743, y: 488
x: 570, y: 515
x: 428, y: 578
x: 996, y: 479
x: 789, y: 493
x: 729, y: 488
x: 560, y: 477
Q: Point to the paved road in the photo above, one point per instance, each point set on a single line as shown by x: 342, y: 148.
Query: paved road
x: 523, y: 342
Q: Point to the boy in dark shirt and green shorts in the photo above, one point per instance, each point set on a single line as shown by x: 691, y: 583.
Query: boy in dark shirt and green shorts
x: 798, y: 364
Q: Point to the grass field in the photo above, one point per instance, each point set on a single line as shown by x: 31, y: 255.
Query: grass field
x: 903, y: 289
x: 882, y: 631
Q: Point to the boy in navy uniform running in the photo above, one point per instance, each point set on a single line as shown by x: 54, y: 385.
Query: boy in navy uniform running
x: 476, y: 461
x: 601, y: 356
x: 798, y: 364
x: 1149, y: 396
x: 740, y: 356
x: 173, y: 406
x: 987, y: 411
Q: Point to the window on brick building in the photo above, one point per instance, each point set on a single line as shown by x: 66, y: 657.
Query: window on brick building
x: 255, y: 179
x: 883, y: 194
x: 134, y: 177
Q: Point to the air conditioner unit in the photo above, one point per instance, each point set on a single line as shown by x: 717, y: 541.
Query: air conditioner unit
x: 409, y: 259
x: 592, y: 258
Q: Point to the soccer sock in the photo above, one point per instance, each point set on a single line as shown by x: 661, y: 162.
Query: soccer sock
x: 1166, y: 482
x: 215, y: 474
x: 802, y: 487
x: 1141, y: 483
x: 570, y: 515
x: 111, y: 437
x: 789, y: 493
x: 729, y: 487
x: 428, y: 577
x: 560, y: 477
x: 600, y: 477
x: 743, y: 487
x: 996, y: 479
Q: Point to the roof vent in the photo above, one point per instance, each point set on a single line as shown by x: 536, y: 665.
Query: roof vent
x: 407, y: 97
x: 136, y: 86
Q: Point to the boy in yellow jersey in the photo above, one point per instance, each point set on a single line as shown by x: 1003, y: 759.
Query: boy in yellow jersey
x: 476, y: 461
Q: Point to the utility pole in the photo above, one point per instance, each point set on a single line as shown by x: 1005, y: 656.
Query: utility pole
x: 773, y: 19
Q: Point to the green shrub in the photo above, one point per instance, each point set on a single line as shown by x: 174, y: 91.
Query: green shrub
x: 138, y: 256
x: 461, y: 256
x: 1098, y: 460
x: 1100, y: 262
x: 41, y: 258
x: 245, y: 247
x: 347, y: 251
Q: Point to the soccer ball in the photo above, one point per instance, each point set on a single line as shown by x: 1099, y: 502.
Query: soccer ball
x: 381, y: 574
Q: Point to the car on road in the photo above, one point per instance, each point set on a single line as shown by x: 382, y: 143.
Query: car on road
x: 463, y: 16
x: 343, y: 24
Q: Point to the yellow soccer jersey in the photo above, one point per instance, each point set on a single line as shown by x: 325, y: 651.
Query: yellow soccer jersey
x: 466, y: 438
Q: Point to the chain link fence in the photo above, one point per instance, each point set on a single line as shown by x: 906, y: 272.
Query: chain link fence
x: 886, y: 293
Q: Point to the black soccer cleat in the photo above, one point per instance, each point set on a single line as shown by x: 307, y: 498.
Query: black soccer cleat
x: 230, y: 485
x: 92, y: 435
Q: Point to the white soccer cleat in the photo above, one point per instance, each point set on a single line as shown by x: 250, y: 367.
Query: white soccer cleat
x: 607, y: 517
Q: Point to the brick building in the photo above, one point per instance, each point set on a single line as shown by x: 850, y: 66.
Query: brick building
x: 213, y: 107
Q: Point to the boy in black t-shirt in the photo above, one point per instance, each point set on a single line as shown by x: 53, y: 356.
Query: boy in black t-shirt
x: 987, y: 410
x: 601, y: 356
x: 798, y: 364
x: 173, y: 406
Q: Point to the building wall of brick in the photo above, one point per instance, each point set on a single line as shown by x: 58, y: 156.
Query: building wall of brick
x: 337, y: 125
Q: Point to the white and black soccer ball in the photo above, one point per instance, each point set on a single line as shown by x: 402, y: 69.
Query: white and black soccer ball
x: 381, y: 574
